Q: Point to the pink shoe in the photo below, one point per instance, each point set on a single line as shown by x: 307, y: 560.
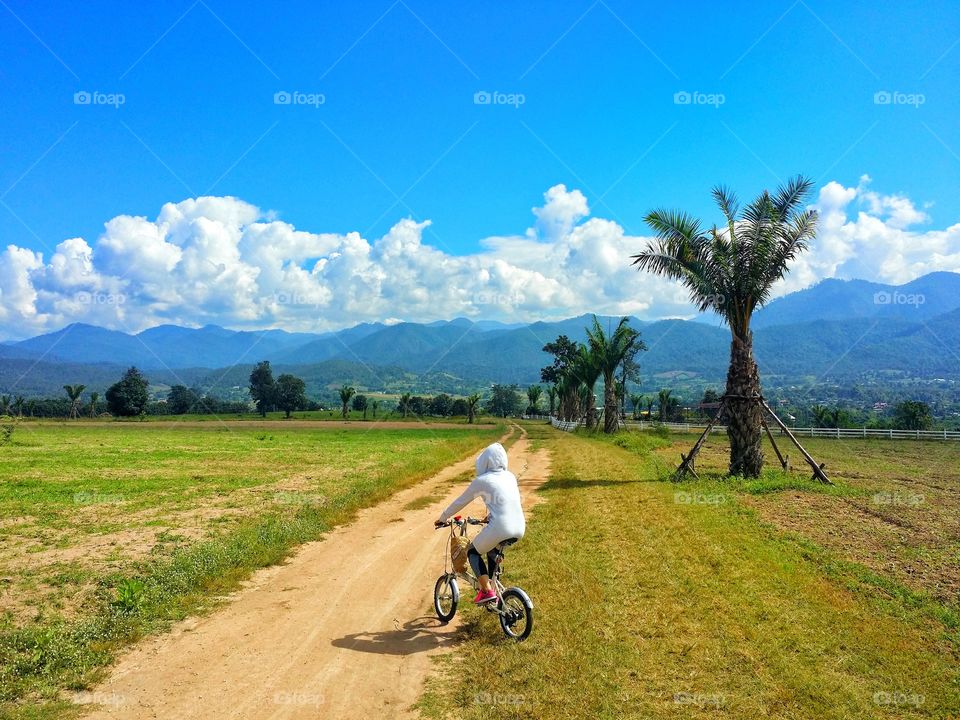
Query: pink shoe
x: 484, y: 597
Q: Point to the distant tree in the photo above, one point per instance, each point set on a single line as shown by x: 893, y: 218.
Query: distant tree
x: 505, y: 401
x: 5, y: 404
x: 609, y: 350
x: 552, y: 395
x: 181, y: 400
x: 94, y: 399
x: 419, y: 406
x: 669, y: 406
x: 459, y: 407
x: 374, y: 404
x: 912, y: 415
x: 129, y: 396
x: 629, y: 371
x: 73, y: 392
x: 649, y: 401
x: 565, y: 352
x: 404, y: 405
x: 290, y: 393
x: 441, y: 405
x: 18, y: 404
x: 533, y: 395
x: 360, y: 404
x: 346, y: 392
x: 636, y: 402
x: 262, y: 387
x: 473, y: 401
x: 710, y: 396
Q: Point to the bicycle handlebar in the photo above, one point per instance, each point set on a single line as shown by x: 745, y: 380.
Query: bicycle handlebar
x: 460, y: 522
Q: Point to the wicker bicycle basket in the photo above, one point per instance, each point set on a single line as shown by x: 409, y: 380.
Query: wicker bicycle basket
x: 458, y: 552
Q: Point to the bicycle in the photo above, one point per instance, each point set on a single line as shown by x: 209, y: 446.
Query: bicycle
x: 513, y: 606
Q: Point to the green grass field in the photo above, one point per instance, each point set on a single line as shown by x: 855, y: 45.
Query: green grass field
x: 109, y: 531
x: 773, y: 598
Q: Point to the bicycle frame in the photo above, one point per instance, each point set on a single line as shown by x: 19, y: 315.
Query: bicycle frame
x: 469, y: 577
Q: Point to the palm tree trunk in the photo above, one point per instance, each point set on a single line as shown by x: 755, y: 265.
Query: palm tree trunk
x: 591, y: 410
x: 610, y: 406
x: 743, y: 410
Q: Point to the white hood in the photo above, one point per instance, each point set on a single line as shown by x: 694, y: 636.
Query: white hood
x: 491, y: 459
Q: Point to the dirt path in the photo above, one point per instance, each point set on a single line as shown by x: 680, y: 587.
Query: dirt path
x: 343, y: 630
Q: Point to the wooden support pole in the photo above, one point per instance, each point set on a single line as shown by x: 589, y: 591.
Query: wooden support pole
x: 783, y: 462
x: 687, y: 464
x: 818, y: 472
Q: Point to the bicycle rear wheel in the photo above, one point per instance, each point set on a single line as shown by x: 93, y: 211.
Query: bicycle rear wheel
x: 446, y: 597
x: 516, y: 614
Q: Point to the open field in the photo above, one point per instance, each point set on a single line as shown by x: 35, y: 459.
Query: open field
x: 111, y: 530
x: 775, y: 598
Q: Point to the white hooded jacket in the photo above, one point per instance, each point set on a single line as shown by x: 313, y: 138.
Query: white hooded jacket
x: 498, y: 488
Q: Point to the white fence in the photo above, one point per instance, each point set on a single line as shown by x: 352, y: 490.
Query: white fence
x: 836, y: 433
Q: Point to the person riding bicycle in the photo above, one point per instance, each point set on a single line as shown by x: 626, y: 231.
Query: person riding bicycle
x: 505, y: 522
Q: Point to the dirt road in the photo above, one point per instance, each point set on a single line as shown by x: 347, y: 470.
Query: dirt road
x: 343, y: 630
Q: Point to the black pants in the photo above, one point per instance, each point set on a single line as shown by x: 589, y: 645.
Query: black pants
x: 476, y: 559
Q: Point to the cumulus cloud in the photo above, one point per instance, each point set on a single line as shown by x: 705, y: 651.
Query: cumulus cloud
x: 223, y: 260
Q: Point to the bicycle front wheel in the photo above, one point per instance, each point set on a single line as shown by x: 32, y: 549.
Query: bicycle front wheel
x: 516, y: 614
x: 446, y: 597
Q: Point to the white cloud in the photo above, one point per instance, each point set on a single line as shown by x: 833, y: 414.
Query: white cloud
x: 222, y: 260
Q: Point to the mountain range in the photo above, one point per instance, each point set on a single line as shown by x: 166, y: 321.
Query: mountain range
x: 837, y: 330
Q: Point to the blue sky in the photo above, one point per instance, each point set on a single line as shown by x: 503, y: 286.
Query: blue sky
x: 783, y: 88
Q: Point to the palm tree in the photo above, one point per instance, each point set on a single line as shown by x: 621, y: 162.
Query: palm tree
x: 533, y: 395
x: 552, y: 395
x: 472, y: 402
x: 94, y: 397
x: 608, y: 352
x: 667, y: 404
x: 732, y: 271
x: 4, y: 404
x: 649, y: 408
x: 374, y: 404
x: 18, y: 403
x: 74, y: 392
x: 346, y: 392
x: 587, y: 370
x: 636, y: 401
x: 404, y: 404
